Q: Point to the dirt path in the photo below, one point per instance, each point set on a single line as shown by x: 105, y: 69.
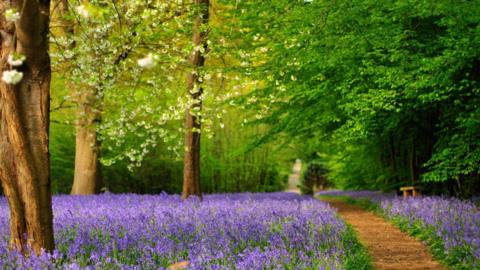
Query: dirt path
x: 390, y: 248
x: 294, y: 178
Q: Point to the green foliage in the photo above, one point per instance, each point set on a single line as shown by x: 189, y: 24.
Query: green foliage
x: 225, y: 167
x: 381, y: 93
x: 141, y: 110
x: 62, y: 156
x: 387, y: 91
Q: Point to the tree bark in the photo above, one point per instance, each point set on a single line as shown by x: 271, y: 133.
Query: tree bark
x: 87, y: 177
x: 191, y: 168
x: 24, y: 125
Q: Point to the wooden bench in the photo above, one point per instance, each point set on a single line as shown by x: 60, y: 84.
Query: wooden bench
x: 410, y: 191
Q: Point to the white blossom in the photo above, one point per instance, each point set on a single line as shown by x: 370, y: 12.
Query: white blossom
x: 82, y: 11
x: 12, y: 76
x: 16, y: 60
x: 12, y: 15
x: 199, y: 48
x: 148, y: 61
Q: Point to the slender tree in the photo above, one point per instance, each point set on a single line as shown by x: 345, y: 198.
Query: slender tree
x: 191, y: 163
x: 24, y: 122
x: 87, y: 175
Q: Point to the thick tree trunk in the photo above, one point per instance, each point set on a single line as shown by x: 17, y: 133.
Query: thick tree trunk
x: 87, y: 177
x: 191, y: 163
x: 24, y: 124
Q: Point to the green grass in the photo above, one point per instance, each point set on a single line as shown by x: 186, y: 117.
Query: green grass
x: 357, y: 257
x: 435, y: 244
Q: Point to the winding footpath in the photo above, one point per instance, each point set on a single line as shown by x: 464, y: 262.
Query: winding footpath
x: 389, y: 248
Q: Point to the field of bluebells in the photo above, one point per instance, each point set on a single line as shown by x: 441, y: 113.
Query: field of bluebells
x: 238, y: 231
x: 451, y: 226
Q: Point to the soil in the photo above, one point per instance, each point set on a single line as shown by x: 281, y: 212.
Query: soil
x: 389, y: 248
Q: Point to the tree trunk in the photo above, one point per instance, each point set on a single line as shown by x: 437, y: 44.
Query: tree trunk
x: 24, y: 116
x: 87, y: 177
x: 413, y: 163
x: 393, y: 158
x: 191, y: 163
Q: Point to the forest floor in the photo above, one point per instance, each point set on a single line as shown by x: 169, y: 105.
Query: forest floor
x: 389, y: 248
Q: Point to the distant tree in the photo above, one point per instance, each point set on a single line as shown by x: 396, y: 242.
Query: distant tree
x: 24, y: 122
x: 87, y: 177
x: 314, y: 179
